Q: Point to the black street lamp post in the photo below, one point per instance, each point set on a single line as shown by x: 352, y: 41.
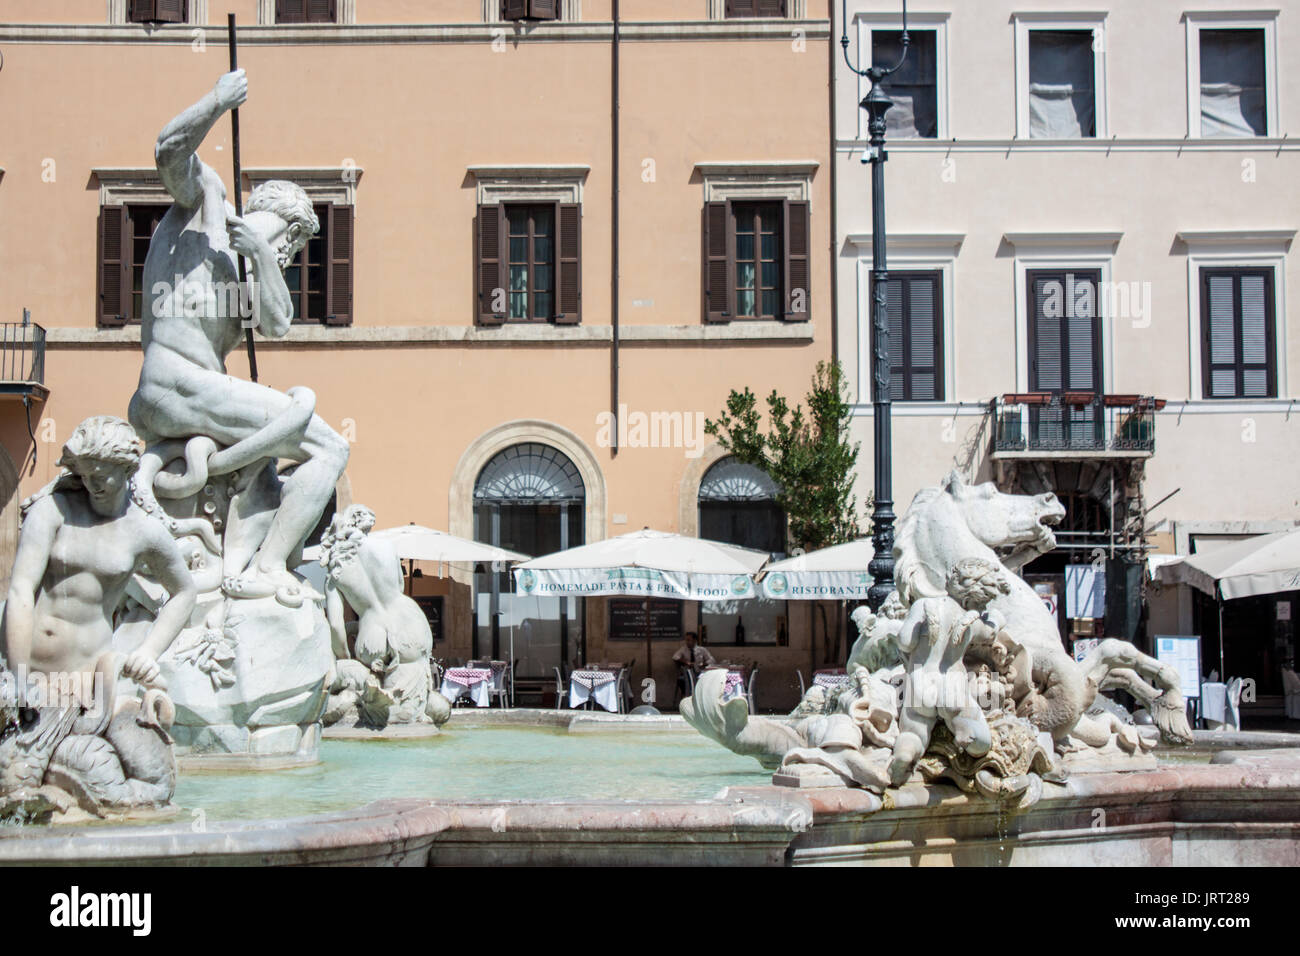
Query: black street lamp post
x: 877, y: 104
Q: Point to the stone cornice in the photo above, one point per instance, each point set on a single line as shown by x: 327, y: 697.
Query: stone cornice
x: 387, y: 336
x: 391, y: 34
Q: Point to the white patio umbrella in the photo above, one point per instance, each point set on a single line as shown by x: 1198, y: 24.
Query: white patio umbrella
x: 645, y: 564
x: 1265, y: 564
x: 415, y: 542
x: 837, y: 573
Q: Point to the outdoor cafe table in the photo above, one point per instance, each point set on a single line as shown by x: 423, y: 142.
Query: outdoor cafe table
x: 594, y: 684
x: 735, y: 684
x: 473, y: 681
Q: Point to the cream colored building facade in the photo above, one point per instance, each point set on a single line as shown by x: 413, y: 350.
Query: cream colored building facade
x: 412, y: 121
x: 1145, y: 145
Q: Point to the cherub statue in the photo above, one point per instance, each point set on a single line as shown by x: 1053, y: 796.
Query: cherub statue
x: 933, y: 640
x: 388, y: 676
x: 83, y: 537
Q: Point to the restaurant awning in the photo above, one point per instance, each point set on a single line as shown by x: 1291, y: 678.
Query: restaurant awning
x: 830, y: 574
x: 1266, y: 564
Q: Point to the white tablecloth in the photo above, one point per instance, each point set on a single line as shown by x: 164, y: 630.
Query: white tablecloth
x: 1214, y: 702
x: 472, y: 681
x: 600, y: 686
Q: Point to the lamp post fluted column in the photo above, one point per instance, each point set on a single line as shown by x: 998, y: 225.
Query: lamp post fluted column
x: 877, y: 104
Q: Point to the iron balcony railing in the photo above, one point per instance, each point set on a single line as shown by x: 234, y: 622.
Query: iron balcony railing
x: 1074, y: 422
x: 22, y: 353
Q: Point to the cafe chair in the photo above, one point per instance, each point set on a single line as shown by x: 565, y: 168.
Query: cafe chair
x: 749, y: 690
x: 626, y: 698
x: 685, y: 682
x: 560, y: 690
x: 500, y: 690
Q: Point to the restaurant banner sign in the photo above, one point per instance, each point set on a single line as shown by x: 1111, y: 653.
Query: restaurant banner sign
x: 633, y: 582
x: 816, y: 585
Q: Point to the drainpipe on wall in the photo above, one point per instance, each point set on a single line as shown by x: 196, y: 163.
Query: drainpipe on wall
x: 614, y: 229
x: 835, y: 196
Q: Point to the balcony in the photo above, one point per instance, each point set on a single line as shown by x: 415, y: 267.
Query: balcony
x: 22, y: 361
x: 1074, y: 425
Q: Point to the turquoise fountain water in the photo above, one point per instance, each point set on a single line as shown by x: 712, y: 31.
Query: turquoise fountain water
x: 487, y: 763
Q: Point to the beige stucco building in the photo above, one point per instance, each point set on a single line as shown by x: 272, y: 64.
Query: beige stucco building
x: 469, y: 373
x: 1135, y: 157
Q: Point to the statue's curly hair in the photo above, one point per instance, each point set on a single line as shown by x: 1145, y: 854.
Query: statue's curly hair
x: 103, y: 438
x: 974, y: 582
x: 291, y: 203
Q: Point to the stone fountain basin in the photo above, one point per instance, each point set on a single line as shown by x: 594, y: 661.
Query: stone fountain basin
x: 1240, y: 809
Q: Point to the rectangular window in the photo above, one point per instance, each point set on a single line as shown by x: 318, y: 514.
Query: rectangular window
x: 320, y: 276
x: 915, y: 87
x: 530, y: 9
x: 123, y: 244
x: 756, y: 260
x: 529, y: 263
x: 1062, y: 84
x: 1238, y: 333
x: 1065, y: 357
x: 157, y: 11
x: 915, y: 304
x: 306, y: 11
x: 1233, y: 91
x: 755, y: 8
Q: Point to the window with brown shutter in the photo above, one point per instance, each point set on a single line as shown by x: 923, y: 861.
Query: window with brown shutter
x: 756, y: 260
x: 1238, y: 333
x: 319, y: 279
x: 915, y: 305
x: 158, y: 11
x: 124, y: 234
x: 755, y: 8
x: 305, y: 11
x: 528, y: 259
x: 1065, y: 356
x: 530, y: 9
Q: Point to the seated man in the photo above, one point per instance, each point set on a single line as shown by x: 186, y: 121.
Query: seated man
x: 691, y: 657
x: 189, y: 330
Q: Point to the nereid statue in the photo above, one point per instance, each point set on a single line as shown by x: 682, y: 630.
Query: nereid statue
x: 68, y: 735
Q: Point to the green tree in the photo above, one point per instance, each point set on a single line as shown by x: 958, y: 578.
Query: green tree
x: 811, y: 459
x: 807, y: 453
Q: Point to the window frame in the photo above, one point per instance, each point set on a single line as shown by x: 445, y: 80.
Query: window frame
x: 1195, y: 22
x: 336, y: 15
x: 728, y: 15
x: 940, y: 363
x: 1026, y: 23
x: 867, y: 23
x: 531, y: 290
x: 753, y: 210
x: 1271, y: 364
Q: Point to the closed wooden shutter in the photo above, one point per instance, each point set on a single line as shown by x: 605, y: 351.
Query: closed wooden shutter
x: 544, y: 9
x: 1238, y: 333
x: 719, y: 258
x: 338, y: 308
x: 568, y: 279
x: 796, y: 220
x: 514, y: 9
x: 915, y: 307
x: 157, y: 11
x: 489, y: 258
x: 305, y: 11
x: 114, y: 266
x: 755, y: 8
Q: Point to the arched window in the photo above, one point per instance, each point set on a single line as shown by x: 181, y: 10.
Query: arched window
x: 529, y: 498
x: 738, y: 505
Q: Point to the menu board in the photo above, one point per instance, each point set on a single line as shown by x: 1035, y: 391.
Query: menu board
x: 1183, y: 653
x: 627, y: 619
x: 431, y: 605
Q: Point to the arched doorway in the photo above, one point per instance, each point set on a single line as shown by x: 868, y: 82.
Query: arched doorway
x: 530, y: 498
x: 737, y: 505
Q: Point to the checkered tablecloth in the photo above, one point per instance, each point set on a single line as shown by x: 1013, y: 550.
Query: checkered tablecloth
x: 592, y: 679
x: 735, y: 685
x: 830, y: 680
x: 468, y: 676
x: 599, y: 686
